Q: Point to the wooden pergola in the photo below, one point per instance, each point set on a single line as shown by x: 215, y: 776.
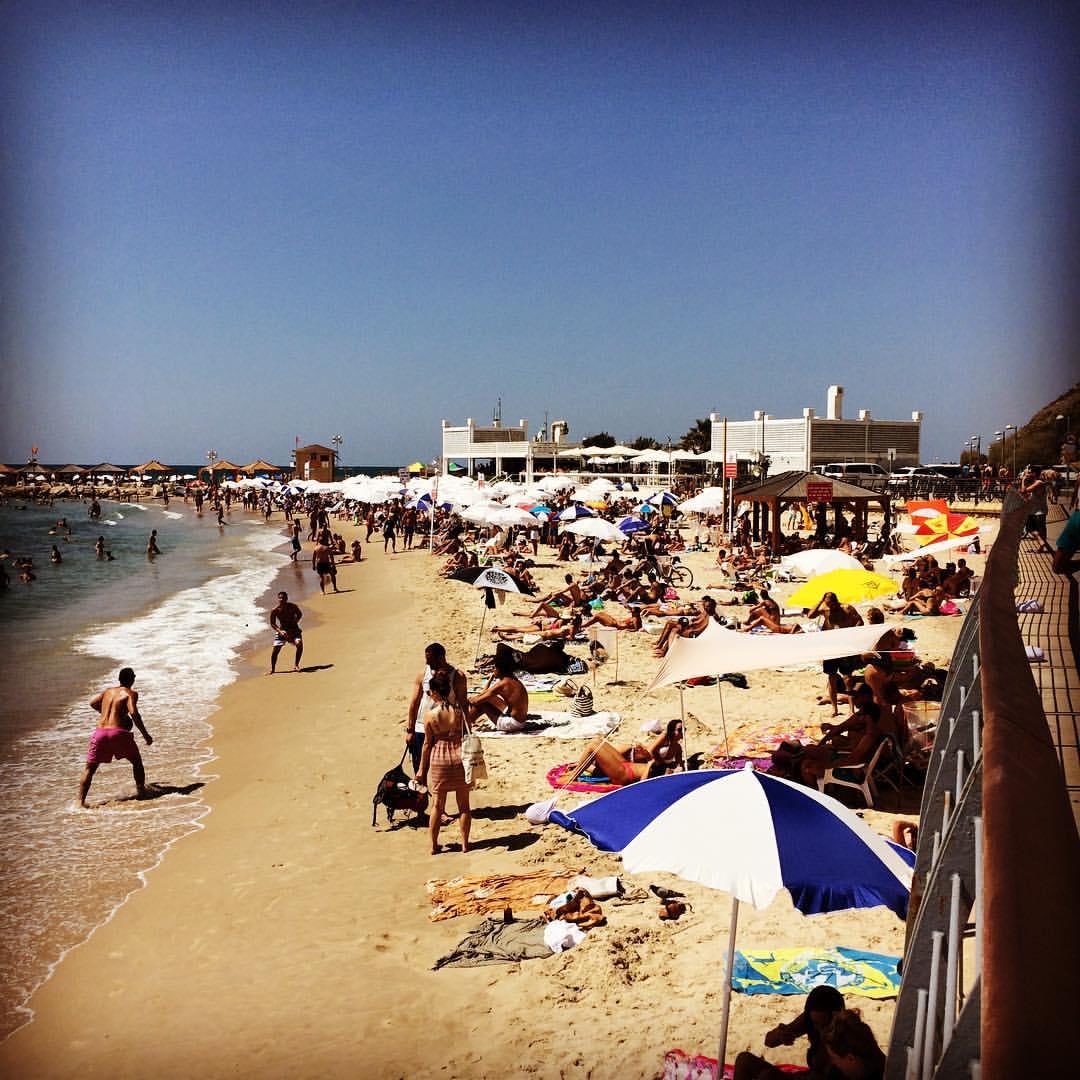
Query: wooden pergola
x: 770, y: 499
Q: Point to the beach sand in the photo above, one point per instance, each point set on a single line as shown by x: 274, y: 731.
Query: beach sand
x: 287, y: 937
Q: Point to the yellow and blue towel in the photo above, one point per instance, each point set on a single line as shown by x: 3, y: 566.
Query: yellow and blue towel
x: 798, y: 971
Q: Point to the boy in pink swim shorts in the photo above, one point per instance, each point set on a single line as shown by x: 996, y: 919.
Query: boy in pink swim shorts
x: 112, y: 738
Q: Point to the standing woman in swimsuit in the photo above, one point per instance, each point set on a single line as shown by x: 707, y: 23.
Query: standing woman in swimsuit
x: 441, y: 768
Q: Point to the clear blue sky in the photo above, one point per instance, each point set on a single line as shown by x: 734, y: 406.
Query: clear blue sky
x: 227, y: 225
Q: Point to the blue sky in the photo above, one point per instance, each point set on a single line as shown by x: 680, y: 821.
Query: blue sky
x: 229, y: 225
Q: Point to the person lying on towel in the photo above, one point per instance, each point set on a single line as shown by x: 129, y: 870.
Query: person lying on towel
x: 626, y: 764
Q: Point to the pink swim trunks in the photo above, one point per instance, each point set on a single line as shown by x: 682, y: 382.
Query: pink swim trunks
x: 108, y: 743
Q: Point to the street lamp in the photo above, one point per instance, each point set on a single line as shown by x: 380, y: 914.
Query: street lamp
x: 211, y: 456
x: 1016, y: 436
x: 999, y: 436
x: 337, y: 440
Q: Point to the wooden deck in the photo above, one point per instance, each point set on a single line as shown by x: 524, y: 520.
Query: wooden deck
x: 1054, y: 630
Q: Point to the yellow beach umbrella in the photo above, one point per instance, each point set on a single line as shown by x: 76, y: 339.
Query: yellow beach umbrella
x: 416, y: 466
x: 850, y: 587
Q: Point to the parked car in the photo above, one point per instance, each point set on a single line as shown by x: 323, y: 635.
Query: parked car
x: 853, y: 471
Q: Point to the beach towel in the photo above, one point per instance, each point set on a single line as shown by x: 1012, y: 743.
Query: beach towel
x: 755, y: 743
x: 597, y: 785
x: 496, y: 942
x: 798, y: 971
x: 557, y: 725
x: 480, y: 894
x: 678, y: 1065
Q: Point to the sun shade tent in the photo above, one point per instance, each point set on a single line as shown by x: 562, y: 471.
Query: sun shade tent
x: 153, y: 465
x: 261, y: 465
x: 769, y: 499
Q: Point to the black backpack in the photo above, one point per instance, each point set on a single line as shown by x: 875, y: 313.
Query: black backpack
x: 395, y: 794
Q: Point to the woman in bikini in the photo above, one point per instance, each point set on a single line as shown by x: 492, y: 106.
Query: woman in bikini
x: 441, y: 768
x: 626, y: 764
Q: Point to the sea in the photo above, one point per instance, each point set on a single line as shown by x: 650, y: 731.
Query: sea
x: 187, y: 621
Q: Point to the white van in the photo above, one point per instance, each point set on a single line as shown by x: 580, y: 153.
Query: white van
x: 853, y: 471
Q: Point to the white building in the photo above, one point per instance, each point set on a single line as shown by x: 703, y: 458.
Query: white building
x: 509, y: 449
x: 809, y: 442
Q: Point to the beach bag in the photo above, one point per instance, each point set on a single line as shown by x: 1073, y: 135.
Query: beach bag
x: 583, y: 703
x: 396, y: 793
x: 472, y: 755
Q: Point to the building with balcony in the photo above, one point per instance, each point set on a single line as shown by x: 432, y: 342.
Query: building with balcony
x: 494, y: 450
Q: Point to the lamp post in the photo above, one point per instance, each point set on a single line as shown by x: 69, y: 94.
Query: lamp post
x: 1016, y: 436
x: 999, y: 436
x: 337, y: 440
x: 211, y: 456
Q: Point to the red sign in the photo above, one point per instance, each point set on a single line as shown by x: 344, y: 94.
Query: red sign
x: 731, y: 470
x: 821, y: 491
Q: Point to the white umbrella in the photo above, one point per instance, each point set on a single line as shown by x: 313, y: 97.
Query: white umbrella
x: 659, y: 456
x: 708, y: 501
x: 597, y: 528
x: 819, y: 561
x: 685, y: 455
x: 511, y: 515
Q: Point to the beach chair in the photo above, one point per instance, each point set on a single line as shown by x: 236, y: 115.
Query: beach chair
x: 858, y: 777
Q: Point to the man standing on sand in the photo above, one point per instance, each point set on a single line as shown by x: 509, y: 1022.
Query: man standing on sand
x: 112, y: 738
x: 322, y: 562
x: 285, y: 620
x: 435, y: 663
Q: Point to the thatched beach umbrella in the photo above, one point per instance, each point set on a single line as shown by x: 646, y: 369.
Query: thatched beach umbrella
x: 153, y: 465
x: 258, y: 466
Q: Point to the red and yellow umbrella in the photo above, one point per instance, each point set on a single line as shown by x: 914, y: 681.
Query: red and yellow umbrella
x: 946, y: 527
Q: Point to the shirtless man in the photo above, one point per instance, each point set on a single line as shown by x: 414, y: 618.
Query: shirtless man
x: 686, y: 627
x: 151, y: 545
x: 285, y: 620
x: 322, y: 562
x: 112, y: 738
x: 504, y: 700
x: 837, y: 616
x: 435, y: 662
x: 571, y: 596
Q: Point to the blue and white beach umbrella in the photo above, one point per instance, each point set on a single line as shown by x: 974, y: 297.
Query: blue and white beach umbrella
x: 631, y: 525
x: 575, y: 511
x: 751, y: 835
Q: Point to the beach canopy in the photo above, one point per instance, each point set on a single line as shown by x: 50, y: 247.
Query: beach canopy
x: 648, y: 456
x: 850, y: 586
x: 223, y: 466
x: 716, y: 651
x: 153, y: 465
x: 105, y: 469
x: 749, y: 834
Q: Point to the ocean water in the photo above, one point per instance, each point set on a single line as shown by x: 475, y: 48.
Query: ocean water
x: 182, y: 620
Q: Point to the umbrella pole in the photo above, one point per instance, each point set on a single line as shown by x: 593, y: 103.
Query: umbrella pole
x: 682, y: 718
x: 723, y: 718
x: 726, y: 1009
x: 483, y: 616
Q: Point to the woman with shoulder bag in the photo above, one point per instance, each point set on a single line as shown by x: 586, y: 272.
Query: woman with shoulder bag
x: 441, y: 768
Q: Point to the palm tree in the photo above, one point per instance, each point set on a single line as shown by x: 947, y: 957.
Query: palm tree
x: 645, y: 442
x: 699, y: 437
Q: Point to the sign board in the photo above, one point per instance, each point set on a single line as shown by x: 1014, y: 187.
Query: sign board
x: 731, y: 466
x: 819, y: 491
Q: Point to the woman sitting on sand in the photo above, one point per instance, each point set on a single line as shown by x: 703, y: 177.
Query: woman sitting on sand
x: 822, y: 1004
x: 441, y: 768
x: 625, y: 764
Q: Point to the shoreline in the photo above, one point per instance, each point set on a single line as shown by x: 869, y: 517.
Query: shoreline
x: 203, y: 758
x: 285, y: 908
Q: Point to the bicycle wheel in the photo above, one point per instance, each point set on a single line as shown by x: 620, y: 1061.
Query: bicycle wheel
x: 681, y: 576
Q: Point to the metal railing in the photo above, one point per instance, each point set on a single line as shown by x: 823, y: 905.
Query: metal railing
x: 991, y: 946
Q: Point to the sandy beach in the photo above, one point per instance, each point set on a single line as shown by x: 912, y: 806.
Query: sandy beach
x: 287, y: 937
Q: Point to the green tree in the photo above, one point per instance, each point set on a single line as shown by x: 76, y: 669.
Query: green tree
x: 645, y: 442
x: 699, y: 437
x: 601, y: 439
